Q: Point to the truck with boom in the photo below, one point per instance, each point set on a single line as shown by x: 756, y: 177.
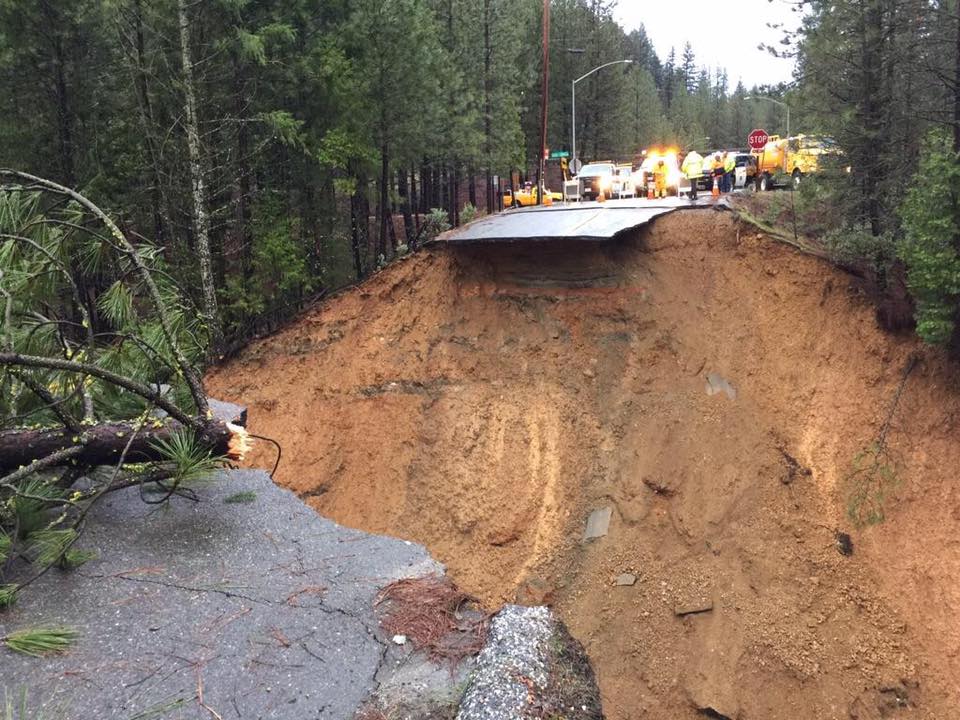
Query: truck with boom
x: 787, y: 160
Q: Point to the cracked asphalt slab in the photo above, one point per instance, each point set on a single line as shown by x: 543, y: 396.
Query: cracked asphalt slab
x: 211, y: 609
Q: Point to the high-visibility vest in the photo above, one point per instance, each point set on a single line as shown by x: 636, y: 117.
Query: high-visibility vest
x: 693, y: 165
x: 729, y: 164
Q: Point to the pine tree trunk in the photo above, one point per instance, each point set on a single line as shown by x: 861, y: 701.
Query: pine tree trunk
x: 403, y: 191
x: 64, y: 114
x: 104, y: 444
x: 357, y: 238
x: 235, y: 253
x: 383, y: 208
x: 487, y: 105
x: 160, y: 216
x: 956, y: 90
x: 201, y: 219
x: 414, y: 200
x: 455, y: 195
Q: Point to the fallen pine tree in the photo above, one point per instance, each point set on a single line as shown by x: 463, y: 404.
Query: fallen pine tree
x: 99, y: 376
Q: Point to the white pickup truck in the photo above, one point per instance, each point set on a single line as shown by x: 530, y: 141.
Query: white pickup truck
x: 623, y: 182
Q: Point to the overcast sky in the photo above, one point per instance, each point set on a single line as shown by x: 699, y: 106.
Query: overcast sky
x: 711, y: 26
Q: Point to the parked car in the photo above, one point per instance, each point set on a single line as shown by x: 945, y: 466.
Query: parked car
x: 746, y: 170
x: 596, y: 179
x: 674, y: 176
x: 527, y: 196
x: 623, y: 182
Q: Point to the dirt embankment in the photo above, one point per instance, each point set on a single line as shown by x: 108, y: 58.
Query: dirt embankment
x: 484, y: 401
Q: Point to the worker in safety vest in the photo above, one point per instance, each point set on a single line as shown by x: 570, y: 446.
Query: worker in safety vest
x: 693, y: 168
x: 716, y: 172
x: 729, y: 167
x: 660, y: 179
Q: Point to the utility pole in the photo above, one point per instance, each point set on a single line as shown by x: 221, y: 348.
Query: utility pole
x: 543, y: 101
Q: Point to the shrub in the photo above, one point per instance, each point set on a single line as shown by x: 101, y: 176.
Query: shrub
x: 435, y: 223
x: 929, y: 247
x: 468, y: 214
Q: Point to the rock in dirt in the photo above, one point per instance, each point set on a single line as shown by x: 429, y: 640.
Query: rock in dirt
x: 535, y: 591
x: 718, y: 384
x: 693, y: 608
x: 598, y: 524
x: 844, y: 544
x: 527, y: 669
x: 626, y: 579
x: 228, y: 412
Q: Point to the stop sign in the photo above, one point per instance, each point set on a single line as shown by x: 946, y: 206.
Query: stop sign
x: 757, y: 139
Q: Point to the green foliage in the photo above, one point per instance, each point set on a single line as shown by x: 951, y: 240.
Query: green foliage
x: 468, y: 214
x: 857, y: 244
x: 435, y: 223
x: 8, y: 595
x: 190, y: 461
x: 931, y: 223
x: 17, y: 707
x: 48, y: 546
x: 279, y: 271
x: 75, y: 557
x: 41, y: 641
x: 873, y: 476
x: 29, y: 510
x: 247, y: 496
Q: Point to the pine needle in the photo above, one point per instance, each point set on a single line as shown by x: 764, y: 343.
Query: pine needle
x: 247, y: 496
x: 74, y: 558
x: 8, y: 595
x: 41, y: 641
x: 49, y: 546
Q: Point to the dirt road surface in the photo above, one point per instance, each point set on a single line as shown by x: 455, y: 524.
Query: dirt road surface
x: 708, y: 386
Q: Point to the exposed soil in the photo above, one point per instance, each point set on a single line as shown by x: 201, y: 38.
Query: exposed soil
x: 712, y: 388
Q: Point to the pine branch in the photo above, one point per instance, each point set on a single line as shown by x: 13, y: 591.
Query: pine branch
x: 137, y: 388
x: 123, y: 245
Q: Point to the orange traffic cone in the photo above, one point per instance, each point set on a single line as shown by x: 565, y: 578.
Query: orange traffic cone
x: 716, y: 187
x: 651, y: 190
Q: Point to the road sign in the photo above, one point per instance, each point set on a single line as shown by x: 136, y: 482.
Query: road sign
x: 576, y: 165
x: 757, y: 139
x: 559, y: 154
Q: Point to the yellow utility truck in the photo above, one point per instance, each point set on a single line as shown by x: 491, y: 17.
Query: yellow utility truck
x: 787, y: 160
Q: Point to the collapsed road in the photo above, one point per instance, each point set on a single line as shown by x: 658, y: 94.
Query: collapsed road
x: 653, y: 434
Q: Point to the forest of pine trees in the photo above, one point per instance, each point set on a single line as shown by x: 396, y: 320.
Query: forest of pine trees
x: 273, y: 150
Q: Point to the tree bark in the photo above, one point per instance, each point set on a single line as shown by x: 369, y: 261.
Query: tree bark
x: 403, y: 191
x: 414, y: 198
x: 487, y: 105
x: 358, y: 234
x: 104, y: 444
x: 161, y: 208
x: 383, y: 206
x: 64, y: 114
x: 956, y: 89
x: 201, y: 218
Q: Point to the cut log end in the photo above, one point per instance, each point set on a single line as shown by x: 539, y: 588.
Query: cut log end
x: 239, y: 443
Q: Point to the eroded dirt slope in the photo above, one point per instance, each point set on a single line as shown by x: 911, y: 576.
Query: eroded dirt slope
x: 484, y: 401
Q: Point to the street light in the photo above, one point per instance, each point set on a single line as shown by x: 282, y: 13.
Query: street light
x: 573, y: 107
x: 776, y: 102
